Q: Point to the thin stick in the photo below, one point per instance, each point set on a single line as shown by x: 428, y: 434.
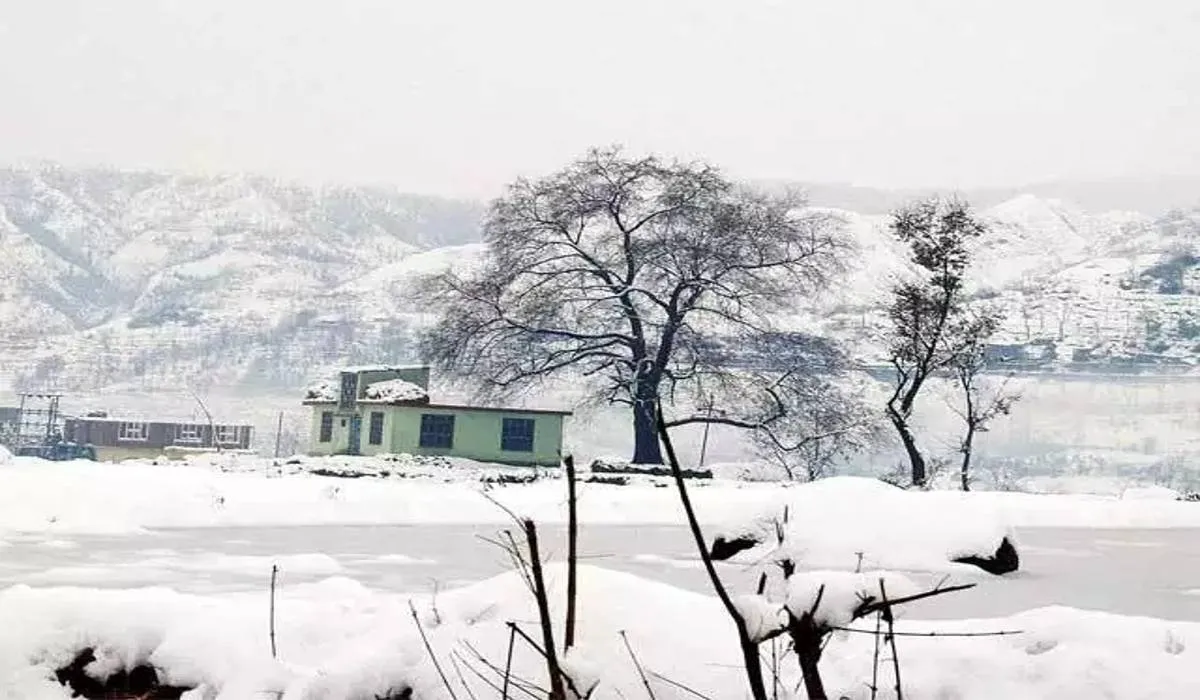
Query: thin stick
x: 870, y: 606
x: 676, y: 684
x: 750, y: 660
x: 477, y: 672
x: 461, y: 678
x: 875, y: 662
x: 638, y: 665
x: 566, y: 678
x: 525, y: 686
x: 775, y: 668
x: 572, y: 551
x: 429, y: 648
x: 998, y: 633
x: 891, y: 637
x: 512, y: 640
x: 557, y: 691
x: 274, y: 575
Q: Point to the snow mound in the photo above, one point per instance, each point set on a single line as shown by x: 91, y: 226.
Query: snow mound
x: 338, y: 639
x: 6, y: 457
x: 853, y: 523
x: 1149, y: 493
x: 832, y: 597
x: 394, y: 391
x: 324, y: 390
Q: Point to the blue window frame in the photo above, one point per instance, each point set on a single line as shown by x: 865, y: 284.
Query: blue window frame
x: 375, y: 429
x: 326, y: 427
x: 516, y: 435
x: 437, y: 430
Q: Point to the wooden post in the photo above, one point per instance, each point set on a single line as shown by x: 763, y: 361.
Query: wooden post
x: 274, y: 575
x: 704, y: 440
x: 278, y: 434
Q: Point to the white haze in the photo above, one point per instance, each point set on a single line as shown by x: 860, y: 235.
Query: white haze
x: 459, y: 96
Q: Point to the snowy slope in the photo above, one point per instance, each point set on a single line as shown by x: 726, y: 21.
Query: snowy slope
x: 107, y: 275
x: 141, y: 280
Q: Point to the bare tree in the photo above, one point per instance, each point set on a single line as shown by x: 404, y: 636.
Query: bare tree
x: 836, y: 423
x: 650, y: 279
x: 981, y: 403
x: 926, y: 313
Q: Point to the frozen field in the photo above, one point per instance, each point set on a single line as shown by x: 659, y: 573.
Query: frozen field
x: 170, y: 564
x: 1153, y: 573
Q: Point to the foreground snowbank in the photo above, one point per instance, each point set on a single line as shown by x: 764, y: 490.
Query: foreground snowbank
x: 338, y: 640
x: 853, y: 523
x: 95, y: 498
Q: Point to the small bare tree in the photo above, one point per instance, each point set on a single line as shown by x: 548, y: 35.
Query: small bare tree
x: 926, y: 314
x: 836, y: 423
x: 649, y: 279
x: 981, y: 403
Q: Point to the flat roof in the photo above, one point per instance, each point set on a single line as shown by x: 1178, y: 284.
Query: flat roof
x: 379, y: 368
x: 157, y: 421
x: 497, y: 409
x: 446, y: 407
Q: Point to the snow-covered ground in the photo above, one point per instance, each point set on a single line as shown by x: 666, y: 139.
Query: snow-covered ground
x: 232, y: 490
x: 108, y: 530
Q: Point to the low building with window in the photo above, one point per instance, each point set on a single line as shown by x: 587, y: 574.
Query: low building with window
x: 387, y: 410
x: 117, y: 439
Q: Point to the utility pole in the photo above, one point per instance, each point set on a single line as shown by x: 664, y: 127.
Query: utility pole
x: 704, y: 440
x: 278, y: 434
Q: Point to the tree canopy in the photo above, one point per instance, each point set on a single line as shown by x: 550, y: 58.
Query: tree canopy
x: 651, y: 280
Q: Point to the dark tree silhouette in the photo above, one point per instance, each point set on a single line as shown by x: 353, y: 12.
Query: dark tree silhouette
x: 646, y: 278
x: 928, y: 331
x: 980, y: 403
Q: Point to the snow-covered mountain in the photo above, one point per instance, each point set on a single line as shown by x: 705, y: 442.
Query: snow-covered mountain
x: 142, y: 280
x: 108, y: 275
x: 1102, y: 290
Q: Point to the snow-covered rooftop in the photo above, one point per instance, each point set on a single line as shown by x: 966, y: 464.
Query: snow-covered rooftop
x: 382, y: 368
x: 394, y: 391
x: 324, y: 390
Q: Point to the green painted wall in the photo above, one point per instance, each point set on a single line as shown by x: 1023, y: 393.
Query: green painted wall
x: 341, y: 432
x: 476, y: 434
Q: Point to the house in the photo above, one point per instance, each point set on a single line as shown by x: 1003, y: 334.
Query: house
x: 10, y: 419
x: 117, y: 439
x: 387, y: 410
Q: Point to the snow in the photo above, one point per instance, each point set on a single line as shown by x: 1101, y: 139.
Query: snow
x: 761, y: 617
x: 6, y: 457
x: 854, y: 522
x: 832, y: 596
x: 394, y: 391
x: 852, y: 514
x: 337, y: 639
x: 324, y: 390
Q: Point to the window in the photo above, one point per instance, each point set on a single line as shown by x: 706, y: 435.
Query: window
x: 516, y: 435
x: 187, y: 432
x: 326, y: 427
x: 228, y: 434
x: 375, y: 432
x: 437, y: 430
x: 132, y: 431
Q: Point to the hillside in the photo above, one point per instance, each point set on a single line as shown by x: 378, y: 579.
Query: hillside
x: 143, y: 281
x: 108, y: 277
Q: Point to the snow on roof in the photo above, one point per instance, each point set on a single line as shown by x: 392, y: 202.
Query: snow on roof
x: 198, y: 420
x: 324, y: 390
x: 381, y: 368
x: 393, y: 391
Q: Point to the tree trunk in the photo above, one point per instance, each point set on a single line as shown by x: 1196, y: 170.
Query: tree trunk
x: 965, y: 473
x: 919, y: 473
x: 646, y: 448
x: 807, y: 641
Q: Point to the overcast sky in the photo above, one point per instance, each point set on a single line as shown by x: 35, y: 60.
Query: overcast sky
x: 457, y: 97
